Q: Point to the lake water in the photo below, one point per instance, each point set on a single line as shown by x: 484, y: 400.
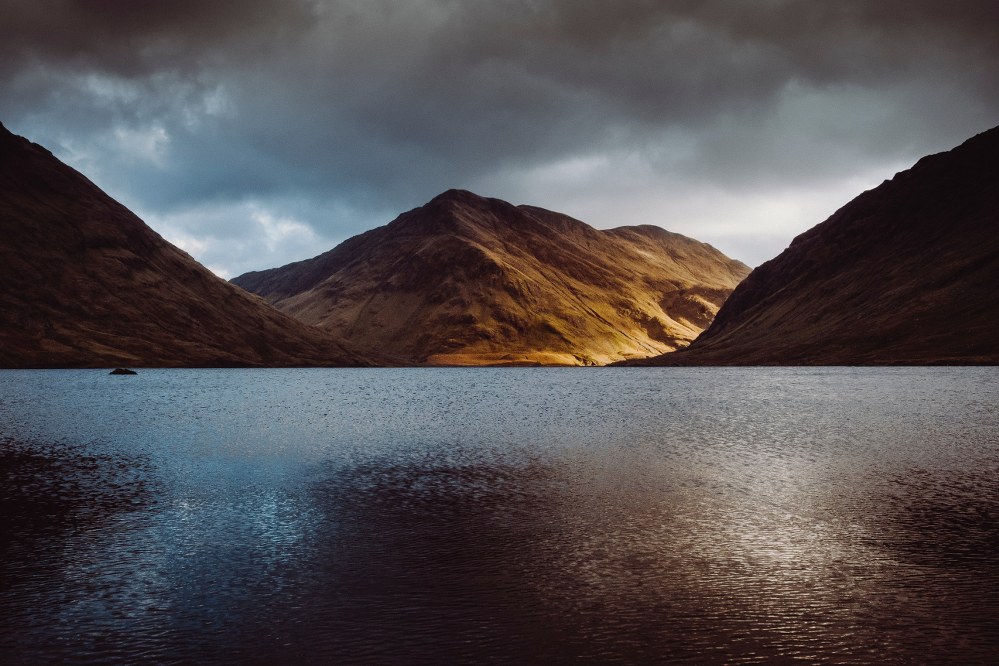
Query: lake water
x: 740, y: 515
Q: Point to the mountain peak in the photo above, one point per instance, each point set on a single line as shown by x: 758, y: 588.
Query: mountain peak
x: 455, y: 212
x: 471, y: 280
x: 456, y: 195
x: 463, y: 200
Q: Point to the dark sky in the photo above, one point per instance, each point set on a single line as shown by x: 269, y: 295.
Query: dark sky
x: 257, y: 132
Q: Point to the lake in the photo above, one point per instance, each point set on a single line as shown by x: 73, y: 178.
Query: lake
x: 606, y: 515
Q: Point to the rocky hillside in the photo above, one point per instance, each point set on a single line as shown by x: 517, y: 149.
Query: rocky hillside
x: 906, y: 273
x: 85, y: 283
x: 466, y: 280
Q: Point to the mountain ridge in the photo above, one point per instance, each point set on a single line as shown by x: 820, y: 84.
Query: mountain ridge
x: 485, y: 281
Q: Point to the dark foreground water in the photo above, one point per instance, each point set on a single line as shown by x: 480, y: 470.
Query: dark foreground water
x: 500, y: 515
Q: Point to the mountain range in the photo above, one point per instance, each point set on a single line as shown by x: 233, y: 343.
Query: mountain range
x: 468, y: 280
x: 906, y: 273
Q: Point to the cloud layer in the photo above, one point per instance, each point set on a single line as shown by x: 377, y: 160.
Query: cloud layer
x: 256, y: 132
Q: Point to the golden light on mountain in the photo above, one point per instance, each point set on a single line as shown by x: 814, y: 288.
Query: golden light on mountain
x: 466, y: 280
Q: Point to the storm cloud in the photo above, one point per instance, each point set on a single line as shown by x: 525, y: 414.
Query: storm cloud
x: 256, y: 132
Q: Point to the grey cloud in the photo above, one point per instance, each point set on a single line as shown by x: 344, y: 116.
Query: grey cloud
x: 368, y: 107
x: 133, y: 39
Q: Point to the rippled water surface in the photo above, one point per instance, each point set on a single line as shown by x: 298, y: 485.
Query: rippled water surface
x: 500, y: 515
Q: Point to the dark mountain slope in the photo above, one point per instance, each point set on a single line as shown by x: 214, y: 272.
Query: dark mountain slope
x: 906, y: 273
x: 84, y: 282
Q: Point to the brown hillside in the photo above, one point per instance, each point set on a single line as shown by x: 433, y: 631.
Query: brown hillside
x: 906, y: 273
x: 85, y: 283
x: 467, y: 280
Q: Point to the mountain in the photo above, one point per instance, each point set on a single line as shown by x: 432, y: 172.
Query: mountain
x: 466, y: 280
x: 906, y: 273
x: 85, y: 283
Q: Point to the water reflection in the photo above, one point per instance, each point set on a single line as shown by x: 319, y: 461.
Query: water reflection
x: 61, y: 506
x: 751, y: 523
x: 471, y: 562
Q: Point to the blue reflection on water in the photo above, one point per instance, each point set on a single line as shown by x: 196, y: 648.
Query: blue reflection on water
x: 730, y: 515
